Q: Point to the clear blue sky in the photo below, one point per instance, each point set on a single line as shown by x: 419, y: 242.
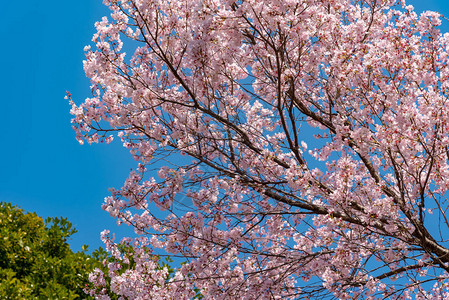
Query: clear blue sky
x: 42, y: 166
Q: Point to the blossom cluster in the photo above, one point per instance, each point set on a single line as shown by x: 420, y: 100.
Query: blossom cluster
x: 284, y: 149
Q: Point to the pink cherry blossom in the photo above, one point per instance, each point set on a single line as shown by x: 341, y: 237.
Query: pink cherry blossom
x: 285, y: 149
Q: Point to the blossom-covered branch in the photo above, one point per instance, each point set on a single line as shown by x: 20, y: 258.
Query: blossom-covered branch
x: 285, y: 149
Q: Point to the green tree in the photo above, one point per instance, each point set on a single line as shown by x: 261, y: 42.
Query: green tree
x: 36, y: 261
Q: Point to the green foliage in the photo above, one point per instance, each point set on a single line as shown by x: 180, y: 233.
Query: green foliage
x: 36, y: 261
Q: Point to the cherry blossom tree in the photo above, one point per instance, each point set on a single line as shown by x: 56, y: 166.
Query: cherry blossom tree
x: 285, y: 149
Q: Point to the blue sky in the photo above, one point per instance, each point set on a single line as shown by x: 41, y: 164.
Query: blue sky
x: 42, y: 166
